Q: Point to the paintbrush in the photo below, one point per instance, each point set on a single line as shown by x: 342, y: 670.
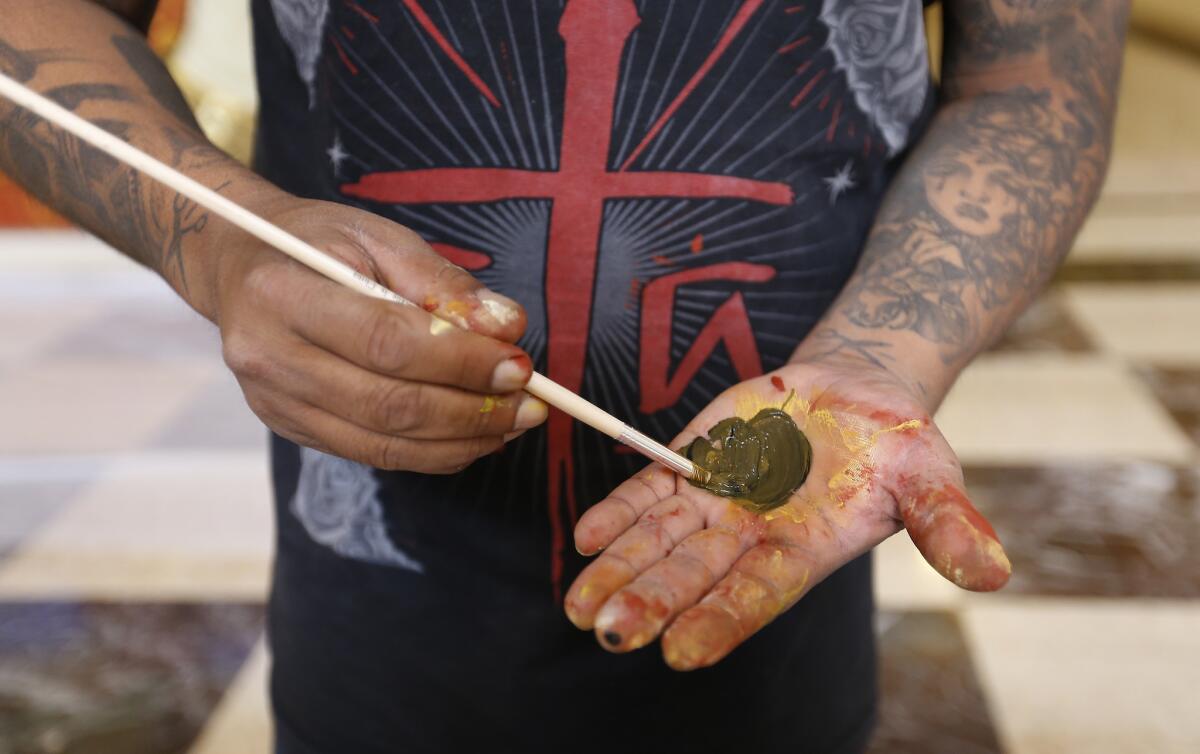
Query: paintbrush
x: 539, y: 385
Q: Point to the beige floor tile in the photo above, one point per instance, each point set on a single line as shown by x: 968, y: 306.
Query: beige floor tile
x: 1102, y: 677
x: 242, y: 721
x: 1154, y: 146
x: 61, y: 251
x: 161, y: 531
x: 904, y: 581
x: 27, y: 330
x: 215, y: 51
x: 94, y: 405
x: 1138, y: 239
x: 1039, y: 408
x: 1159, y: 323
x: 1150, y: 208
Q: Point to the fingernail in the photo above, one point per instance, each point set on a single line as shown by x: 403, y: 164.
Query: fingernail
x: 501, y: 309
x: 511, y: 375
x: 513, y: 435
x: 531, y: 413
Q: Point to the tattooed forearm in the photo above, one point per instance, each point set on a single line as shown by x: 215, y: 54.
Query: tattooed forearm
x: 133, y: 213
x: 829, y: 344
x: 149, y: 69
x: 983, y: 213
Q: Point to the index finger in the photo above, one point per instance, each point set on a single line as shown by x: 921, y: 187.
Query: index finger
x: 607, y: 519
x: 404, y: 341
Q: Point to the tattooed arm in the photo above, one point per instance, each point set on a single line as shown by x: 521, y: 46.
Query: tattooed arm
x: 977, y: 220
x: 988, y: 204
x: 86, y: 59
x: 321, y: 365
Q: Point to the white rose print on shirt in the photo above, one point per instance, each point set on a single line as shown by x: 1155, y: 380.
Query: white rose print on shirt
x: 880, y: 45
x: 302, y: 24
x: 337, y: 502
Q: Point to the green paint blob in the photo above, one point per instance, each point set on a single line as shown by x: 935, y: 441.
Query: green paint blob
x: 760, y: 462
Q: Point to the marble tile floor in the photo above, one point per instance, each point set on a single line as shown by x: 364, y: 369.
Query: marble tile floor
x: 110, y: 678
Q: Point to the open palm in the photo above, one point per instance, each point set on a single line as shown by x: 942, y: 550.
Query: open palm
x: 712, y: 573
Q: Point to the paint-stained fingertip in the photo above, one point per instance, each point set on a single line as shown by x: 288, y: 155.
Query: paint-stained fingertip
x: 685, y: 657
x: 585, y: 539
x: 699, y: 638
x: 955, y: 538
x: 577, y: 617
x: 586, y: 552
x: 579, y: 606
x: 995, y: 574
x: 497, y: 310
x: 980, y: 566
x: 619, y: 643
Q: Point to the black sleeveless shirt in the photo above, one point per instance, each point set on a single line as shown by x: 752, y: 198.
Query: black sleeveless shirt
x: 675, y: 190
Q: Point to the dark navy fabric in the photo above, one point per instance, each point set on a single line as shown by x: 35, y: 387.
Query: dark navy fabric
x: 675, y: 191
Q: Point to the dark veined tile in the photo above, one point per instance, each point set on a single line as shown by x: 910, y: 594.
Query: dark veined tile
x: 1129, y: 269
x: 116, y: 678
x: 1096, y: 529
x: 1179, y: 391
x: 1046, y: 325
x: 930, y: 698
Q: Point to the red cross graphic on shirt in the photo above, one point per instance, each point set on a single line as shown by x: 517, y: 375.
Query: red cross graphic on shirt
x: 595, y: 33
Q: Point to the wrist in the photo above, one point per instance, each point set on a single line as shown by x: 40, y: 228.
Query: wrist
x: 210, y: 254
x: 901, y: 357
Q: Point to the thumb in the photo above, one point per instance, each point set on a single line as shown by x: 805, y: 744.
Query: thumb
x: 411, y: 267
x: 953, y: 536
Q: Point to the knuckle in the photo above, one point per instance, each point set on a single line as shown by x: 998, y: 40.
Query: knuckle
x: 353, y: 250
x: 232, y: 351
x: 464, y: 368
x: 453, y: 276
x: 392, y: 454
x: 265, y: 282
x: 244, y: 358
x: 399, y: 406
x: 386, y: 342
x: 482, y: 446
x: 407, y: 241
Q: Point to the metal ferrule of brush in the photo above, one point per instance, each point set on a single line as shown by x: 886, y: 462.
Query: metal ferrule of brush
x: 660, y: 453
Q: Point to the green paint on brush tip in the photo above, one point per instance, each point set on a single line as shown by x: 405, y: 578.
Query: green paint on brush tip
x: 759, y: 463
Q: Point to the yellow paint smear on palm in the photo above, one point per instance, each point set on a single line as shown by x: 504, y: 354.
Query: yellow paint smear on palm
x: 842, y: 443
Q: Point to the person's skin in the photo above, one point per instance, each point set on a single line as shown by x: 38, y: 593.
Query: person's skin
x: 324, y: 366
x: 971, y: 196
x: 976, y: 222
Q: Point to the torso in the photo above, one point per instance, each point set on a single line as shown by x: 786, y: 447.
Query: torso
x: 675, y: 191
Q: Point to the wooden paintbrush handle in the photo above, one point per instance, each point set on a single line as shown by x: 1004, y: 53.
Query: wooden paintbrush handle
x: 272, y: 235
